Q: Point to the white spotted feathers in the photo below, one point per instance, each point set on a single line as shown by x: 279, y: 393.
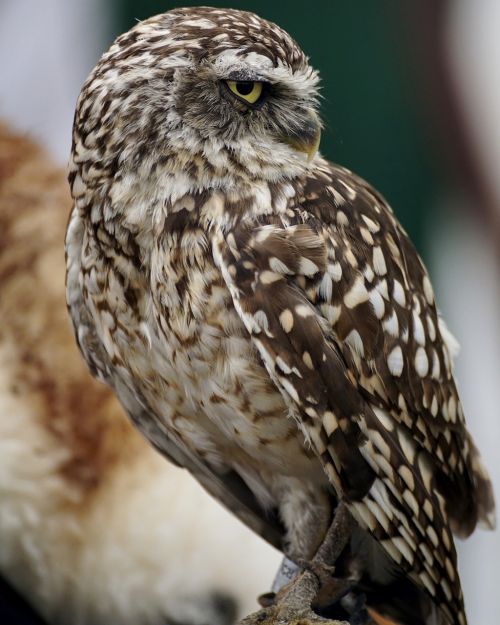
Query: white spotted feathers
x: 261, y: 314
x: 370, y: 369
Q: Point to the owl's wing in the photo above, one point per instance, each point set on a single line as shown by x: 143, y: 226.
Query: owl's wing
x: 341, y: 310
x: 223, y: 484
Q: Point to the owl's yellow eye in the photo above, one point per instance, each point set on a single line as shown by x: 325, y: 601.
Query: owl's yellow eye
x: 246, y: 90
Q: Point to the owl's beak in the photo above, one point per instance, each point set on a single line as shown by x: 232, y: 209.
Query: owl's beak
x: 307, y: 138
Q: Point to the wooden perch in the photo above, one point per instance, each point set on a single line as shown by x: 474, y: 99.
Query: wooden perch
x: 263, y: 618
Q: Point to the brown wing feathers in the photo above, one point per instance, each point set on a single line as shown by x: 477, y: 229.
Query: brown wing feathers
x: 344, y: 318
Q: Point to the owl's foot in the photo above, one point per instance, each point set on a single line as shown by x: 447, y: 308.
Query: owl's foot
x: 315, y: 588
x: 292, y: 605
x: 337, y: 537
x: 299, y: 602
x: 331, y: 587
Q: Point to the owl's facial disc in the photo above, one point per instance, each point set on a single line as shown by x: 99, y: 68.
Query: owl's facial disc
x: 253, y: 93
x: 258, y: 111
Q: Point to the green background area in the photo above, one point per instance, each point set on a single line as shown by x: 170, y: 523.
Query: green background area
x: 370, y: 106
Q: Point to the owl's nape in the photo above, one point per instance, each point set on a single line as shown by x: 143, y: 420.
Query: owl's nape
x: 262, y: 316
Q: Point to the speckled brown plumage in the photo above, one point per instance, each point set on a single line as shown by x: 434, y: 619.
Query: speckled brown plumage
x: 262, y: 316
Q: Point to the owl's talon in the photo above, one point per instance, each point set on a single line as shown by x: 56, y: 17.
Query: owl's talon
x: 267, y: 599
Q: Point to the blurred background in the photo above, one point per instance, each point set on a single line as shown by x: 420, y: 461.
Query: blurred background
x: 411, y: 103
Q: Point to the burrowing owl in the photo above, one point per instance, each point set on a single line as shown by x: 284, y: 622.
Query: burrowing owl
x: 259, y: 311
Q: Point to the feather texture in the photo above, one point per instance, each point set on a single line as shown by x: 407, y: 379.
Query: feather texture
x: 262, y: 315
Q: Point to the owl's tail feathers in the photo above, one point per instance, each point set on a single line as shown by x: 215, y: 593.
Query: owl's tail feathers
x: 484, y: 490
x: 468, y: 494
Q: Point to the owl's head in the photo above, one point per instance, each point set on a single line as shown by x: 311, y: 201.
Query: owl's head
x: 211, y: 95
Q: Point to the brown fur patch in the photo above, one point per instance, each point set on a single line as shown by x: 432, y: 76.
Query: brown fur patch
x: 81, y: 414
